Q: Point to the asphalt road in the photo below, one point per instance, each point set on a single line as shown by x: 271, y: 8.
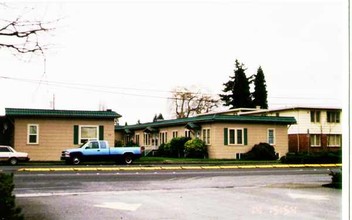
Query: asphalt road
x: 294, y: 193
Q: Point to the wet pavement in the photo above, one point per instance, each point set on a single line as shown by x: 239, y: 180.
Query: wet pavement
x: 179, y: 194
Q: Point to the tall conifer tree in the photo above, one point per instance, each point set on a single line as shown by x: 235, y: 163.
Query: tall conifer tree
x: 237, y: 94
x: 260, y: 94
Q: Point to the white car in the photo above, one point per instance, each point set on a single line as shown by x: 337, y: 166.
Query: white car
x: 8, y: 154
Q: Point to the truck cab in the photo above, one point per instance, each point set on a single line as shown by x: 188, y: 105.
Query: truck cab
x: 99, y: 150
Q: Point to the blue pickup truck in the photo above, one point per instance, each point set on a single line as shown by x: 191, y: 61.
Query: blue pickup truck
x: 95, y: 150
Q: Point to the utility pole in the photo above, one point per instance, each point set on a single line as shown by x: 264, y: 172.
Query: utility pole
x: 53, y: 102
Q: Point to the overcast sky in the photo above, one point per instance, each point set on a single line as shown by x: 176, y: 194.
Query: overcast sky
x: 128, y: 55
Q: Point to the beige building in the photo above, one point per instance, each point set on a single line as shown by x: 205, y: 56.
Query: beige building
x: 43, y: 134
x: 227, y: 136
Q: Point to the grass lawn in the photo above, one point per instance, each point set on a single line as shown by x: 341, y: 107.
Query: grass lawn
x: 169, y: 160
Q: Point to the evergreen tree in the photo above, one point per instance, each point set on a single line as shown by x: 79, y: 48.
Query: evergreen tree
x: 237, y: 94
x: 155, y: 118
x: 260, y: 94
x: 8, y: 208
x: 160, y: 117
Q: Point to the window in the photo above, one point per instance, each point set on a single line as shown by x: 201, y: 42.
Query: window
x: 315, y: 140
x: 88, y: 132
x: 239, y: 136
x: 33, y: 134
x: 206, y: 136
x: 314, y: 116
x: 174, y: 134
x: 4, y: 149
x: 187, y: 133
x: 102, y: 144
x: 334, y: 140
x: 236, y: 136
x: 137, y: 139
x: 84, y: 133
x: 93, y: 145
x: 333, y: 116
x: 146, y: 139
x: 163, y: 137
x: 271, y: 136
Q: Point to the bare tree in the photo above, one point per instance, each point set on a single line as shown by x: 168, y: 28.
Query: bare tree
x: 187, y: 103
x: 22, y: 35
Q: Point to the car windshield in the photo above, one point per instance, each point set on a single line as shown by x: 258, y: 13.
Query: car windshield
x: 11, y: 149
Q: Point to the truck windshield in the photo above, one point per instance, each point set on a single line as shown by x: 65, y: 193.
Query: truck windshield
x: 83, y: 145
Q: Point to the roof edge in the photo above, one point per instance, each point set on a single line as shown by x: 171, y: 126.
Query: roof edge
x: 29, y: 112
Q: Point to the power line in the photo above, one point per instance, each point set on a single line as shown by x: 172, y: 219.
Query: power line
x: 112, y: 89
x: 88, y: 87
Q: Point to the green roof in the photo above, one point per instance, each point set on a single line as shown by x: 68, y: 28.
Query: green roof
x: 48, y: 113
x: 211, y: 119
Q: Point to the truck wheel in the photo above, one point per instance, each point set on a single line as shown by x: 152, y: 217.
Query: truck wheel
x: 13, y: 161
x: 128, y: 159
x: 76, y: 160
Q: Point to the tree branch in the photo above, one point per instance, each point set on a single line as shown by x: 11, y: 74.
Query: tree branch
x: 23, y: 36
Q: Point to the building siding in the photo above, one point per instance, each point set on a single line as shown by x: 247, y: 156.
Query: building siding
x: 304, y: 124
x: 256, y: 133
x: 300, y: 133
x: 55, y: 135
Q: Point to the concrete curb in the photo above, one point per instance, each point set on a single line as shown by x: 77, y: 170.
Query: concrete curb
x: 207, y: 167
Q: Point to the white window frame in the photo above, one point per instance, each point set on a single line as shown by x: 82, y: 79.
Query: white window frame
x: 315, y: 116
x: 29, y: 134
x: 206, y: 135
x: 174, y: 134
x: 315, y: 140
x: 187, y: 133
x: 137, y: 139
x: 146, y: 139
x: 274, y: 136
x: 236, y: 130
x: 337, y: 138
x: 87, y: 126
x: 333, y: 117
x: 163, y: 137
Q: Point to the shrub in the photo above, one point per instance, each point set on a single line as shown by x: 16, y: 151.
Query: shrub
x: 261, y: 151
x: 336, y: 180
x: 312, y: 158
x: 174, y: 148
x: 196, y: 148
x: 177, y: 146
x: 8, y: 209
x: 128, y: 144
x: 164, y: 150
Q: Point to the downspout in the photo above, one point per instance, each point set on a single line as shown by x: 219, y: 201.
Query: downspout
x: 298, y: 129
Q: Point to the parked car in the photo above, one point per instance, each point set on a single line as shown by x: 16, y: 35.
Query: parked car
x: 10, y: 155
x: 95, y: 150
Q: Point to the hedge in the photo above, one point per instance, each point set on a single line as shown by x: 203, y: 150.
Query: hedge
x: 313, y: 158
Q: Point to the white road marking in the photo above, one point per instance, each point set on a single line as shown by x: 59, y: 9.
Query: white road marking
x: 307, y: 196
x: 119, y: 206
x: 66, y: 194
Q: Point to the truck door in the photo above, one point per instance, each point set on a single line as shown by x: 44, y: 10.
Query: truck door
x: 92, y: 150
x: 104, y: 149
